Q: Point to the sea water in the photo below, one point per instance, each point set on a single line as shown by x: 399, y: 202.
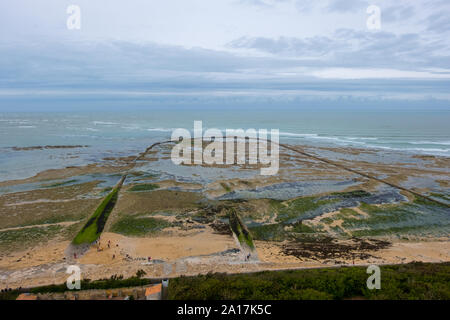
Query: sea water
x: 123, y: 133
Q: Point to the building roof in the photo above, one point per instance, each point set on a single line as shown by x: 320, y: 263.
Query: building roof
x: 26, y: 296
x: 153, y: 289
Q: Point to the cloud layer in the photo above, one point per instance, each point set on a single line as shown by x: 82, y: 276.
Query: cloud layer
x: 248, y: 50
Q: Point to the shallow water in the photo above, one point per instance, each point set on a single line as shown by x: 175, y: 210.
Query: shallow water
x: 289, y: 190
x: 115, y: 134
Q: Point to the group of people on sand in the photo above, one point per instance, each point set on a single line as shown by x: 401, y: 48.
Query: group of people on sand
x: 100, y: 248
x: 109, y: 244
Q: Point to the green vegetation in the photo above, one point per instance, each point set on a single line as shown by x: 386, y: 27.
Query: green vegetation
x: 59, y: 184
x: 145, y: 176
x: 225, y: 186
x: 9, y: 295
x: 107, y: 189
x: 291, y: 213
x: 426, y: 202
x: 137, y: 173
x: 143, y: 187
x: 301, y: 206
x: 53, y: 220
x: 280, y: 232
x: 140, y: 273
x: 302, y: 228
x: 28, y: 236
x: 445, y: 197
x: 269, y: 232
x: 348, y: 213
x: 424, y: 281
x: 240, y: 230
x: 410, y: 281
x: 86, y: 284
x: 94, y: 227
x: 135, y: 226
x: 393, y: 231
x: 418, y: 217
x: 351, y: 194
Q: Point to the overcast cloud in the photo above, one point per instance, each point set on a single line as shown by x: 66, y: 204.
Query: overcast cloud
x: 278, y: 49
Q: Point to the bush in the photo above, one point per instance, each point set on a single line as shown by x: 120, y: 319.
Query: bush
x: 410, y: 281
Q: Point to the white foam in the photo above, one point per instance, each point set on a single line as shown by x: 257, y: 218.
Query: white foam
x: 301, y: 135
x: 443, y: 143
x: 160, y: 129
x: 106, y: 123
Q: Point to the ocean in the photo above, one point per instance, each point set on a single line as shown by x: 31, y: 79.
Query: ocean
x: 113, y: 134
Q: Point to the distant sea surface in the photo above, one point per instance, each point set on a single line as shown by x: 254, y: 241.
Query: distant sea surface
x: 112, y: 134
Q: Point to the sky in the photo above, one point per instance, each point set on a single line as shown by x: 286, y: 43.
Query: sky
x: 224, y: 53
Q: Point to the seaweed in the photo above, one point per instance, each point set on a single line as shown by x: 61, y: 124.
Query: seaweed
x: 240, y: 230
x: 94, y: 226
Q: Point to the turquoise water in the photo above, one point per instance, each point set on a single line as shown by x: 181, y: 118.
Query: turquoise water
x: 124, y: 133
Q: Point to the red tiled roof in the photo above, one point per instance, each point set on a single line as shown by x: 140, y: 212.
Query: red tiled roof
x: 26, y: 296
x: 152, y: 290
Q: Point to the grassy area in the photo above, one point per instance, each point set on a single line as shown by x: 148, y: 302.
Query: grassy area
x: 53, y: 220
x: 439, y: 196
x: 346, y: 213
x: 135, y: 226
x: 302, y: 228
x: 280, y: 232
x: 94, y: 227
x: 240, y: 230
x: 146, y: 176
x: 28, y: 236
x: 420, y: 217
x: 286, y: 211
x: 351, y: 194
x: 143, y: 187
x: 410, y: 281
x: 269, y: 232
x: 426, y: 202
x: 300, y: 207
